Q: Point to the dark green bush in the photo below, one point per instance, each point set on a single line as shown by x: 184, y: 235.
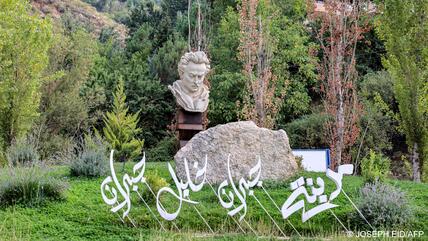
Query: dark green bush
x: 375, y: 167
x: 92, y: 160
x: 164, y: 150
x: 22, y: 152
x: 307, y: 132
x: 226, y: 91
x: 378, y: 124
x: 383, y: 206
x: 28, y: 186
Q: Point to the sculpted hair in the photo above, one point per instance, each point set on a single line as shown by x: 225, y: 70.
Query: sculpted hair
x: 198, y: 57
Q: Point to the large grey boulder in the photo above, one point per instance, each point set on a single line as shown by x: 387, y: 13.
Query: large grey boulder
x: 245, y: 142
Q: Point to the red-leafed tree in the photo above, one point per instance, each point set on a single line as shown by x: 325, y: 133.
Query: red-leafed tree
x: 338, y: 26
x: 261, y: 103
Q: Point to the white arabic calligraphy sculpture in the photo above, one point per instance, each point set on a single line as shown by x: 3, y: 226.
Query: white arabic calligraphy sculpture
x: 182, y: 189
x: 243, y: 186
x: 298, y: 188
x: 124, y: 191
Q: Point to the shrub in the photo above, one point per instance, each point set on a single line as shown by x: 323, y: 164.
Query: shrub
x: 307, y: 132
x: 383, y: 206
x: 92, y: 160
x: 164, y: 150
x: 22, y: 152
x: 155, y: 182
x: 375, y: 83
x: 57, y: 149
x: 28, y: 186
x: 378, y: 123
x: 299, y: 160
x: 375, y: 167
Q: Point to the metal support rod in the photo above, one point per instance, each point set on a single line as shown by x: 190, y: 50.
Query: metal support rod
x: 280, y: 211
x: 273, y: 220
x: 150, y: 210
x: 153, y: 193
x: 339, y: 221
x: 205, y: 221
x: 359, y: 212
x: 245, y: 221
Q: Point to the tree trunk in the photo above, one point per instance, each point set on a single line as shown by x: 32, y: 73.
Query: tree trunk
x: 415, y: 163
x: 260, y: 107
x: 340, y: 131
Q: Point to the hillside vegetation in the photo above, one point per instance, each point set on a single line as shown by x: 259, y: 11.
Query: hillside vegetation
x: 82, y: 12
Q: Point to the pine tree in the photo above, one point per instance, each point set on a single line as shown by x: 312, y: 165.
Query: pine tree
x: 121, y: 128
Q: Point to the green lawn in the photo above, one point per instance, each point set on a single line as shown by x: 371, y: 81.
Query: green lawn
x: 84, y: 216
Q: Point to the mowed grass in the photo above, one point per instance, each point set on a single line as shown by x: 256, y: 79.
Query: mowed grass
x: 84, y: 215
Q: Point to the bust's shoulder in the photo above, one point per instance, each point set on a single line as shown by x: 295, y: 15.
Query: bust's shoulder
x: 175, y: 87
x: 205, y: 90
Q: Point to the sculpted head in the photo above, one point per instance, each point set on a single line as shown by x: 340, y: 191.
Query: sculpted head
x: 192, y: 68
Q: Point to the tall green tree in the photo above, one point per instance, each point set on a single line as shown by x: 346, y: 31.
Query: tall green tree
x: 72, y: 54
x: 165, y: 61
x: 147, y: 96
x: 24, y: 44
x: 292, y: 60
x: 151, y: 13
x: 64, y: 109
x: 404, y: 27
x: 104, y: 75
x: 227, y: 81
x: 121, y: 128
x: 378, y: 121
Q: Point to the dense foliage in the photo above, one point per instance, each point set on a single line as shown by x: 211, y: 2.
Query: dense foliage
x: 24, y: 43
x: 346, y: 76
x: 378, y: 123
x: 307, y: 131
x: 375, y: 167
x: 65, y: 111
x: 164, y: 150
x: 403, y: 26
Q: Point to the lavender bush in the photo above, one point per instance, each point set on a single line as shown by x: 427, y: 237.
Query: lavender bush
x: 29, y: 186
x: 22, y: 152
x: 384, y: 205
x: 92, y: 160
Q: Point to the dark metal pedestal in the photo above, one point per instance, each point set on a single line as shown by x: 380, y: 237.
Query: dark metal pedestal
x: 188, y: 125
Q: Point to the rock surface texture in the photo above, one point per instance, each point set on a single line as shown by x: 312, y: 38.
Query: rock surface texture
x: 245, y: 142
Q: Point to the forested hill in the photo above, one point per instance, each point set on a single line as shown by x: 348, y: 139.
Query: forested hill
x: 82, y: 12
